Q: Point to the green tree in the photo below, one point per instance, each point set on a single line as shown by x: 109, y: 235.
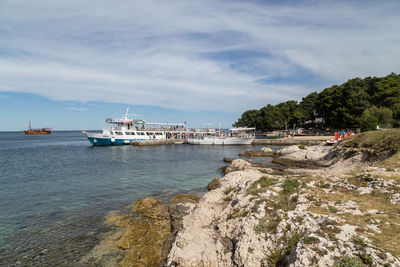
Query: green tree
x: 249, y: 118
x: 374, y: 116
x: 340, y: 106
x: 307, y: 107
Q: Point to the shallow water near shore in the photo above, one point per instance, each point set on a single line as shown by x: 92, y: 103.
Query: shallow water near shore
x: 56, y: 189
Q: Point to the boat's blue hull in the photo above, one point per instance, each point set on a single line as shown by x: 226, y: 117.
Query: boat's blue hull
x: 98, y: 141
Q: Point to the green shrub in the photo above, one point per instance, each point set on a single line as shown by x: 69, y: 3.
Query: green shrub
x: 277, y: 256
x: 285, y: 203
x: 366, y: 258
x: 347, y: 261
x: 236, y: 213
x: 261, y: 185
x: 311, y: 240
x: 332, y: 209
x: 326, y: 185
x: 290, y: 186
x: 268, y: 224
x: 374, y: 116
x: 358, y: 241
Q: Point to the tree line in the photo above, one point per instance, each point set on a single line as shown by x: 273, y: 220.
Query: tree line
x: 357, y: 103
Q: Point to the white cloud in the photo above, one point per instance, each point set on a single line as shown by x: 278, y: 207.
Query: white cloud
x: 191, y: 55
x: 75, y: 109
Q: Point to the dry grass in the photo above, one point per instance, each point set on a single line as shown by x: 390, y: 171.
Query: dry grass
x: 268, y: 224
x: 229, y: 189
x: 387, y: 217
x: 392, y: 162
x: 386, y: 140
x: 237, y: 212
x: 395, y: 177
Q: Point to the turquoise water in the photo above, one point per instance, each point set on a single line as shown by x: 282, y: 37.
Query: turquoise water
x: 56, y: 189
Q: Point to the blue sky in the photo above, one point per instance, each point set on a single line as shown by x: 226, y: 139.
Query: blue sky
x: 70, y: 64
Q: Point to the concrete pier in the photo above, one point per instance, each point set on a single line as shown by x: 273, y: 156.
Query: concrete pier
x: 297, y: 140
x: 159, y: 142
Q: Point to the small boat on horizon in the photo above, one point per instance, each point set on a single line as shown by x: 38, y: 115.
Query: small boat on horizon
x: 31, y: 131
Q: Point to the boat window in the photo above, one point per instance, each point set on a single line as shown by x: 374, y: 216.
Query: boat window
x: 130, y: 133
x: 118, y: 133
x: 140, y: 133
x: 149, y: 133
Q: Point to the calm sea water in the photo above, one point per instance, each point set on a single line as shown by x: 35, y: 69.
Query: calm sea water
x: 56, y: 189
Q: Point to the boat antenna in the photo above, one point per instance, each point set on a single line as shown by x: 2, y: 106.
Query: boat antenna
x: 126, y: 114
x: 29, y: 124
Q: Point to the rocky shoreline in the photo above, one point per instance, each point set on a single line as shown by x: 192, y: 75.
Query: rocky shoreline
x: 326, y: 206
x: 342, y: 212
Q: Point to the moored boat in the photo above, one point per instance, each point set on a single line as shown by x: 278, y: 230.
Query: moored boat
x: 127, y: 130
x: 234, y: 136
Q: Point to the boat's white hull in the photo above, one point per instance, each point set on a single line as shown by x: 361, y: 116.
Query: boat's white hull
x: 99, y: 139
x: 127, y: 130
x: 221, y: 141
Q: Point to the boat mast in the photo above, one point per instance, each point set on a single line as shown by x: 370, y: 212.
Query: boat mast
x: 29, y: 124
x: 126, y: 114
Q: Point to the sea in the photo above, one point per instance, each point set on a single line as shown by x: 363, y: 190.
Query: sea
x: 55, y: 190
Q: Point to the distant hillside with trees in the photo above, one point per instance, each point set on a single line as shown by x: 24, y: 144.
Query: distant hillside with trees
x: 357, y: 103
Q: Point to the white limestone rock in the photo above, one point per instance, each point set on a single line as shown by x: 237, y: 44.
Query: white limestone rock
x: 310, y: 153
x: 237, y: 165
x: 267, y: 150
x: 364, y: 190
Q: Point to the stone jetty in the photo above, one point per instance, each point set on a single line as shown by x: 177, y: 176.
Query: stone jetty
x: 297, y: 140
x: 159, y: 142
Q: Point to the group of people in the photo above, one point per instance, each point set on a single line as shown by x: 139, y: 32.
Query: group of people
x: 179, y: 135
x: 342, y: 134
x: 286, y: 134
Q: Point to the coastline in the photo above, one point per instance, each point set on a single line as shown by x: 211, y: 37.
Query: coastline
x: 297, y: 140
x: 341, y: 210
x: 142, y: 232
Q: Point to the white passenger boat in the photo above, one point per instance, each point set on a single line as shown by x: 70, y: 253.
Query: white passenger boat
x: 234, y: 136
x: 126, y: 130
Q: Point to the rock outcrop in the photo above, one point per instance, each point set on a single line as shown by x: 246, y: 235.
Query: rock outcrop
x: 237, y: 165
x: 214, y: 184
x: 263, y: 152
x: 144, y: 235
x: 255, y: 218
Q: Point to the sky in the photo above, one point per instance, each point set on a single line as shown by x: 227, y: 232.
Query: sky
x: 70, y: 64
